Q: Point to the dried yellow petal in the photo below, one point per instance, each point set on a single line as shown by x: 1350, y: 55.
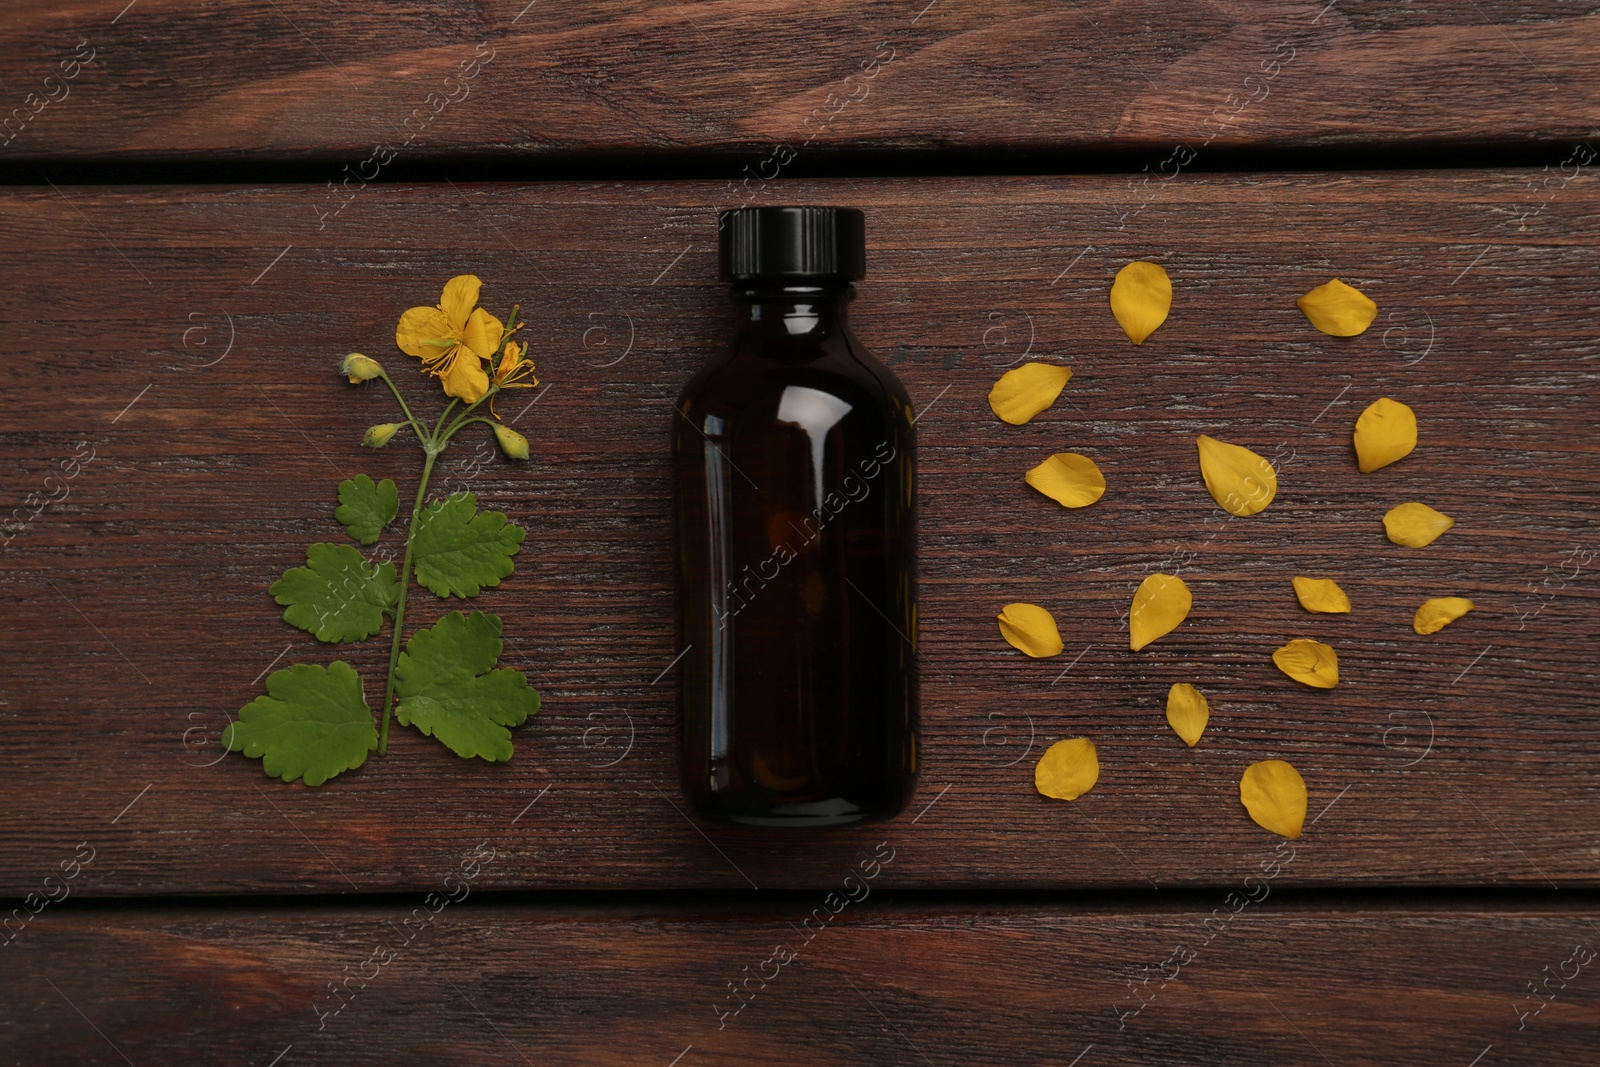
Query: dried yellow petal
x: 1160, y: 603
x: 1030, y: 629
x: 1141, y: 296
x: 1321, y: 595
x: 1311, y: 662
x: 1274, y: 794
x: 1415, y: 525
x: 1069, y: 479
x: 1434, y: 615
x: 1022, y: 393
x: 1337, y: 309
x: 1385, y: 432
x: 1187, y: 712
x: 1068, y: 769
x: 1241, y: 482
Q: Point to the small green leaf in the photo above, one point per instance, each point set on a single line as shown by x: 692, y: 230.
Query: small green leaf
x: 314, y: 722
x: 364, y: 508
x: 459, y: 549
x: 338, y: 595
x: 449, y: 687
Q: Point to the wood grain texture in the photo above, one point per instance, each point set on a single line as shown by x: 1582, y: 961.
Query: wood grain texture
x: 190, y: 337
x: 1001, y: 985
x: 295, y: 79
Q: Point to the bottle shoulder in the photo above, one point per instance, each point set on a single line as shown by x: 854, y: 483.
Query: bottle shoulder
x: 754, y: 377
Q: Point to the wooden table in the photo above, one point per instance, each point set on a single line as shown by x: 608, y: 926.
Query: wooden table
x: 190, y: 256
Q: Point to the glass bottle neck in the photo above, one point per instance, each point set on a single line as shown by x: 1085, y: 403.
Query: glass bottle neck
x: 794, y: 310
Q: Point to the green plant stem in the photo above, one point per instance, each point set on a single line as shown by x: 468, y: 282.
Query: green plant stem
x: 432, y: 452
x: 442, y: 416
x: 416, y: 427
x: 463, y: 418
x: 461, y: 424
x: 432, y: 444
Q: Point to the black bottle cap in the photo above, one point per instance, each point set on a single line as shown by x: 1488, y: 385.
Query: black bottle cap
x: 784, y: 243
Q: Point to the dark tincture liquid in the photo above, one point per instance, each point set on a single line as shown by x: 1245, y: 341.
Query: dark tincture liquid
x: 793, y: 468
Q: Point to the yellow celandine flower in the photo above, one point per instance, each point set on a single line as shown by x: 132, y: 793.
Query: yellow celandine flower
x: 454, y: 338
x: 515, y: 370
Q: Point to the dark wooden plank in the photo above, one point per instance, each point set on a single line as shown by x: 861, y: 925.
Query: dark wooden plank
x: 1003, y: 985
x: 138, y: 613
x: 280, y: 81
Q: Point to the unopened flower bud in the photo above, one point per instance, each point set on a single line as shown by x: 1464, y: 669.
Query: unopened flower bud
x: 512, y: 443
x: 378, y: 436
x: 359, y: 368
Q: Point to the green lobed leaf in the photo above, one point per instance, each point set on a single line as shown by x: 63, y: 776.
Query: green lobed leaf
x: 338, y: 595
x: 459, y: 549
x: 313, y: 722
x: 365, y: 509
x: 449, y: 687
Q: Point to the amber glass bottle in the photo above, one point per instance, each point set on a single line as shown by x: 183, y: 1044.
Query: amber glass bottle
x: 795, y: 543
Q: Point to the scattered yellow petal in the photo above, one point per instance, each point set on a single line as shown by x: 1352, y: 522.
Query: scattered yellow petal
x: 1321, y: 595
x: 1030, y: 629
x: 1385, y: 432
x: 1022, y: 393
x: 1068, y: 769
x: 1069, y: 479
x: 1415, y: 525
x: 1160, y: 603
x: 1187, y: 712
x: 1335, y: 308
x: 1311, y: 662
x: 1140, y: 299
x: 1436, y: 614
x: 1274, y: 794
x: 1241, y: 482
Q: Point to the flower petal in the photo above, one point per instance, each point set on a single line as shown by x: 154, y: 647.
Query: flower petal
x: 510, y: 357
x: 1385, y: 432
x: 1022, y: 393
x: 1434, y: 615
x: 1068, y: 769
x: 1241, y: 482
x: 1321, y: 595
x: 463, y: 376
x: 1161, y: 602
x: 460, y: 297
x: 1415, y: 525
x: 1141, y: 297
x: 1069, y: 479
x: 1030, y: 629
x: 1187, y: 712
x: 515, y: 371
x: 1310, y: 662
x: 419, y: 326
x: 1274, y: 794
x: 483, y: 333
x: 1337, y: 309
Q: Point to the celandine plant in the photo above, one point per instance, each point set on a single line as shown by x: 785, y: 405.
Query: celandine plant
x: 314, y: 722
